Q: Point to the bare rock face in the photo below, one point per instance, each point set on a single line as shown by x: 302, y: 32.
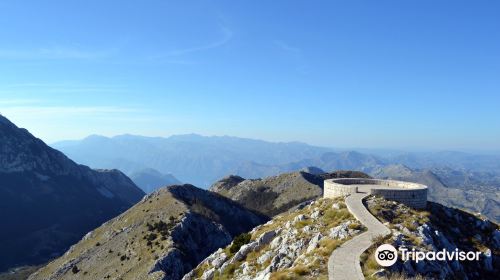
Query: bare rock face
x: 48, y: 201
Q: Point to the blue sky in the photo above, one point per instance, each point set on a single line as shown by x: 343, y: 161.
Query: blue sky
x: 378, y: 74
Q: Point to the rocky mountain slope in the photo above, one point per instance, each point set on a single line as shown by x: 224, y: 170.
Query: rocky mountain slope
x: 150, y: 179
x: 162, y: 237
x: 466, y: 190
x: 297, y: 244
x: 275, y: 194
x: 294, y: 245
x: 436, y: 228
x: 47, y: 201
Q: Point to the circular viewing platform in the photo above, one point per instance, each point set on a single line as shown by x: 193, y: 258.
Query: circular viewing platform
x: 411, y: 194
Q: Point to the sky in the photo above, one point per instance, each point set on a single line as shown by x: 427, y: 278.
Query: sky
x: 375, y: 74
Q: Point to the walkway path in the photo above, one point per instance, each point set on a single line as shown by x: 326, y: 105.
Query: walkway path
x: 343, y: 264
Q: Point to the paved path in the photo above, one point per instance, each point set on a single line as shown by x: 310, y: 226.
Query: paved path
x: 343, y: 264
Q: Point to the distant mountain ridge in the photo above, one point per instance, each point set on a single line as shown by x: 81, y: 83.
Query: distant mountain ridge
x: 192, y: 158
x: 461, y: 189
x: 47, y: 201
x: 204, y: 160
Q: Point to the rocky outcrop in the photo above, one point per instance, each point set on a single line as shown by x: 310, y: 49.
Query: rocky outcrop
x: 435, y: 229
x: 294, y: 244
x: 48, y: 201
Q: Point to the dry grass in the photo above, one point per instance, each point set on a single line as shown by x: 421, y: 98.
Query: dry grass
x: 300, y: 270
x: 355, y: 226
x: 333, y: 216
x: 301, y: 224
x: 283, y: 275
x: 327, y: 246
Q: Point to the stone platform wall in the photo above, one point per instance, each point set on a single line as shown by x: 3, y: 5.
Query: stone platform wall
x: 411, y: 194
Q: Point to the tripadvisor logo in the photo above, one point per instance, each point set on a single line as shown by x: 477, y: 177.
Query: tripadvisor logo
x: 387, y: 255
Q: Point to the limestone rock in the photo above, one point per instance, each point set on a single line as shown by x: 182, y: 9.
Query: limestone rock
x: 313, y: 244
x: 208, y: 275
x: 299, y: 218
x: 340, y: 232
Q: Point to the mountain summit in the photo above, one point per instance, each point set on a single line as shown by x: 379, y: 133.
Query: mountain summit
x: 47, y: 201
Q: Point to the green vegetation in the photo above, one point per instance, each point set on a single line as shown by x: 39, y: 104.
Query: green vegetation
x: 161, y: 227
x: 239, y: 241
x: 150, y: 236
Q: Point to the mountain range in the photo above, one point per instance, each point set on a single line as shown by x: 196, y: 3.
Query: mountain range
x: 191, y: 158
x: 49, y: 202
x: 202, y: 160
x: 477, y: 192
x: 470, y: 181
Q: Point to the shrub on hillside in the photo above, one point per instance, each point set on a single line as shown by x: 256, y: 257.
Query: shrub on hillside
x: 239, y: 241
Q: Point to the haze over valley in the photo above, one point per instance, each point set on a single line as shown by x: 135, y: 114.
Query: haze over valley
x: 466, y: 180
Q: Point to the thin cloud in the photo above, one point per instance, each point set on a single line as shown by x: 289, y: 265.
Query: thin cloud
x: 227, y: 35
x: 53, y: 123
x: 65, y: 110
x: 295, y: 54
x: 26, y: 88
x: 52, y: 53
x: 288, y: 48
x: 10, y: 102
